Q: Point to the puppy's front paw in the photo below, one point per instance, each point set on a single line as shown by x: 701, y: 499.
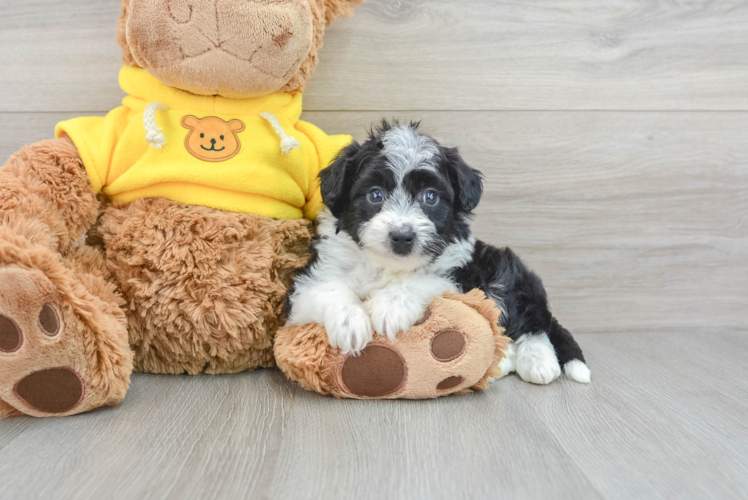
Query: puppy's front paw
x: 536, y: 359
x: 392, y: 314
x: 349, y: 329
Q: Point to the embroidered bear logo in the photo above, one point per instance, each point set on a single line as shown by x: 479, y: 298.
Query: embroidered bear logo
x: 211, y: 138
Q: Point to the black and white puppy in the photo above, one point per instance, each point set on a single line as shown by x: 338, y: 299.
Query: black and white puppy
x: 396, y: 234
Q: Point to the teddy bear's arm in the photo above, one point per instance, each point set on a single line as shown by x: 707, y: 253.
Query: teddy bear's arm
x: 46, y: 197
x: 96, y: 139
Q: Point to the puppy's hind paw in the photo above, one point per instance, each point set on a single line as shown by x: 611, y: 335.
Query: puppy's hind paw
x: 578, y: 371
x: 536, y: 360
x: 349, y: 330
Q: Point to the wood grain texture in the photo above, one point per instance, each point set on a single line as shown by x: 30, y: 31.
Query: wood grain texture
x: 635, y: 221
x: 431, y: 55
x: 175, y: 437
x: 663, y: 407
x: 660, y: 420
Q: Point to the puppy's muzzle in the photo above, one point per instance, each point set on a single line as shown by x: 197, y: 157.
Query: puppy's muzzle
x: 402, y: 241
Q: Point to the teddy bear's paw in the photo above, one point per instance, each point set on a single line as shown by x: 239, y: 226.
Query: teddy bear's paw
x: 449, y: 349
x: 536, y: 359
x: 44, y: 370
x: 349, y: 329
x: 381, y: 369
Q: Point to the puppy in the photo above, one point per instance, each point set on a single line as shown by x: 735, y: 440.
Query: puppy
x: 395, y: 234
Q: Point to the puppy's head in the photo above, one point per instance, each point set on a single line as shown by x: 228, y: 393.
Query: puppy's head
x: 401, y: 195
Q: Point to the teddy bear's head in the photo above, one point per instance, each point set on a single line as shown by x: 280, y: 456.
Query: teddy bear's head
x: 232, y: 48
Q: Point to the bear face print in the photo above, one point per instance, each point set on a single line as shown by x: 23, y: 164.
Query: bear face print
x: 211, y: 138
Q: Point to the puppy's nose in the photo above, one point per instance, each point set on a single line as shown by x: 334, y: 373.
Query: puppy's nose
x: 402, y: 241
x: 213, y: 141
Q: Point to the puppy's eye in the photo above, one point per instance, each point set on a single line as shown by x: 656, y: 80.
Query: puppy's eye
x: 375, y: 196
x: 202, y: 136
x: 221, y: 137
x: 430, y: 197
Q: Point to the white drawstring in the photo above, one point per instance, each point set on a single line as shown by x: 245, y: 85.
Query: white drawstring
x: 155, y: 138
x: 288, y: 143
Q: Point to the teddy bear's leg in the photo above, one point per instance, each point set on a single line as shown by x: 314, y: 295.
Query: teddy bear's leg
x: 63, y: 339
x: 205, y: 289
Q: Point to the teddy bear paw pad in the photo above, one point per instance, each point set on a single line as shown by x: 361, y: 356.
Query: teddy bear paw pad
x: 378, y: 371
x: 10, y: 335
x: 448, y: 345
x: 450, y: 383
x: 52, y: 390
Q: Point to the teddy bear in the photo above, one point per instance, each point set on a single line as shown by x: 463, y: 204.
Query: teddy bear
x: 163, y: 236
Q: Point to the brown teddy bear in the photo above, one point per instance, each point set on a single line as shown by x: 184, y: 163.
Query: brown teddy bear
x: 195, y: 197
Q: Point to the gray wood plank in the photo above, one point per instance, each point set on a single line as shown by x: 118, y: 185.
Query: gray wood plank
x: 660, y: 420
x: 636, y: 221
x: 659, y: 405
x: 172, y: 437
x: 59, y: 55
x: 487, y: 445
x: 435, y: 54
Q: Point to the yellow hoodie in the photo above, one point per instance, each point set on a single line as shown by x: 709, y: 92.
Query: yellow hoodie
x: 240, y: 155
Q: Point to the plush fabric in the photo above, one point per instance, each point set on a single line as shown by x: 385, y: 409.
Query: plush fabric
x: 456, y: 348
x: 45, y: 195
x: 249, y: 174
x: 164, y: 281
x: 202, y: 50
x: 41, y: 185
x: 204, y: 288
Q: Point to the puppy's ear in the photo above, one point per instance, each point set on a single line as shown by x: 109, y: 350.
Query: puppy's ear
x: 337, y: 179
x: 467, y: 181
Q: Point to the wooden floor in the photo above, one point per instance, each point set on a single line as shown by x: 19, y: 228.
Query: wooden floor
x: 664, y: 418
x: 614, y: 139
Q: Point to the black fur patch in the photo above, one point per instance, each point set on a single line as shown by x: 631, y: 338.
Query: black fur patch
x: 502, y: 276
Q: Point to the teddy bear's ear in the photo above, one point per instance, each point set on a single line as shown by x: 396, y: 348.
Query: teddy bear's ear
x: 121, y: 37
x: 336, y: 8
